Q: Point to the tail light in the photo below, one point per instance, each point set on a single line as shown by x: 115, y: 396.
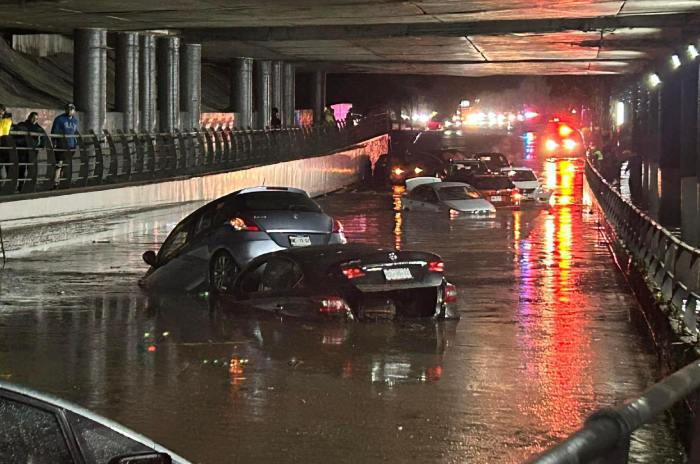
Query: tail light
x: 517, y: 196
x: 243, y: 225
x: 449, y: 293
x: 333, y: 305
x: 436, y: 266
x: 353, y: 272
x: 337, y: 227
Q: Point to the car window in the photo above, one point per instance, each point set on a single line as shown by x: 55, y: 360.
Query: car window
x: 204, y: 223
x: 280, y: 275
x: 458, y: 193
x: 523, y: 176
x: 419, y: 193
x: 277, y: 201
x: 29, y: 434
x: 98, y: 443
x: 175, y: 242
x: 431, y: 196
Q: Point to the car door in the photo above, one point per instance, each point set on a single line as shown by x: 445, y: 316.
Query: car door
x: 172, y: 271
x: 432, y: 202
x: 417, y: 198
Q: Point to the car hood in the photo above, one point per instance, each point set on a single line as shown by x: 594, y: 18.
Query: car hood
x: 528, y: 184
x: 475, y: 205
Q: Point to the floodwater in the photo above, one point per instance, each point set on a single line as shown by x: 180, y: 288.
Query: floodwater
x: 544, y: 340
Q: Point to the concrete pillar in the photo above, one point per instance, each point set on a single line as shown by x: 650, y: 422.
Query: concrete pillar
x: 276, y: 87
x: 127, y: 79
x: 319, y: 95
x: 241, y: 97
x: 147, y: 82
x: 90, y: 77
x: 263, y: 81
x: 168, y: 57
x: 191, y: 85
x: 670, y: 150
x: 289, y: 86
x: 690, y: 220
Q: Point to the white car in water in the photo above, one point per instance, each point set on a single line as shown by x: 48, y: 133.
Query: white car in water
x: 527, y: 183
x: 431, y: 194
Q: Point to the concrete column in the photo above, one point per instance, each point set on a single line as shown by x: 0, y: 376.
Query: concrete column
x: 670, y: 150
x: 690, y: 220
x: 289, y: 86
x: 241, y: 97
x: 263, y: 83
x: 127, y: 79
x: 319, y: 95
x: 147, y: 82
x: 191, y: 85
x: 90, y: 77
x: 168, y: 57
x: 276, y: 87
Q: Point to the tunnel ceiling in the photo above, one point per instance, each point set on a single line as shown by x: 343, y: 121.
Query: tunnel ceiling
x: 449, y: 37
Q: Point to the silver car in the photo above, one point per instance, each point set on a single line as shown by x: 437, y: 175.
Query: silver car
x: 430, y: 194
x: 38, y: 428
x: 210, y: 246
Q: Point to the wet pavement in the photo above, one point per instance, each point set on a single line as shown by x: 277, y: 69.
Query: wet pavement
x: 544, y: 340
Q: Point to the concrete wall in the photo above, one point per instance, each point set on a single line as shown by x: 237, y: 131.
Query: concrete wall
x: 22, y: 220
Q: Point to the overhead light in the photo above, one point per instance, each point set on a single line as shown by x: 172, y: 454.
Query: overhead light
x: 620, y: 113
x: 693, y: 52
x: 654, y: 80
x: 675, y: 61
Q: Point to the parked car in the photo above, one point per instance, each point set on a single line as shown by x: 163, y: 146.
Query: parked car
x: 210, y: 246
x: 493, y: 161
x: 527, y: 183
x: 463, y: 170
x: 344, y: 282
x: 415, y: 165
x: 430, y: 194
x: 497, y: 189
x: 39, y: 428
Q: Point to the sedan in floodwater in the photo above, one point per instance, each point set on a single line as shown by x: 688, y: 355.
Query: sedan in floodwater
x: 527, y: 183
x: 344, y: 282
x: 430, y: 194
x: 210, y: 246
x: 498, y: 189
x: 38, y: 428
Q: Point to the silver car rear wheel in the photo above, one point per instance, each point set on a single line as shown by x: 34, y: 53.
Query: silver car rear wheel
x: 221, y: 271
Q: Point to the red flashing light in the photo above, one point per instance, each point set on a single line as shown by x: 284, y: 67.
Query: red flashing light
x: 353, y: 272
x: 436, y: 266
x: 565, y: 131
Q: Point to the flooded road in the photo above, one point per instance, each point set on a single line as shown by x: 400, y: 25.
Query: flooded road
x: 545, y: 339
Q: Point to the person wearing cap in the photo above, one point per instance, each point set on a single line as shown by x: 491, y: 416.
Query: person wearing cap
x: 65, y: 125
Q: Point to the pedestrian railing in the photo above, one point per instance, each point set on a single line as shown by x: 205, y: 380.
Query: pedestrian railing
x: 605, y: 437
x: 33, y: 162
x: 672, y: 267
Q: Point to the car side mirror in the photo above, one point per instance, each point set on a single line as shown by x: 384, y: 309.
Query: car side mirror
x: 150, y: 258
x: 146, y: 458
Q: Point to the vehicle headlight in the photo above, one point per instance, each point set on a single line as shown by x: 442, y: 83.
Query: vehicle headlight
x: 417, y: 170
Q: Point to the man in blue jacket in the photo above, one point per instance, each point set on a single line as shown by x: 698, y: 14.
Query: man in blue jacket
x: 65, y: 125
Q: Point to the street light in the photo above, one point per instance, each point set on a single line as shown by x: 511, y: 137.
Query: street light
x: 654, y: 80
x: 675, y: 61
x: 693, y: 52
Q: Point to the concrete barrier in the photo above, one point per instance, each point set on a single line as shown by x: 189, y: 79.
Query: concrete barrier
x: 318, y: 175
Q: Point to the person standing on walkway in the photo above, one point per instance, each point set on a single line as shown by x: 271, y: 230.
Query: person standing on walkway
x: 27, y: 143
x: 5, y: 126
x: 275, y: 121
x: 65, y: 125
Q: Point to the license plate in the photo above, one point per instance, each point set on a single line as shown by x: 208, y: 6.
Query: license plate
x: 299, y: 240
x: 497, y: 198
x: 401, y: 273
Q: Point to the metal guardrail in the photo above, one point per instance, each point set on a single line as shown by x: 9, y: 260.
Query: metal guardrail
x: 33, y: 162
x: 671, y: 265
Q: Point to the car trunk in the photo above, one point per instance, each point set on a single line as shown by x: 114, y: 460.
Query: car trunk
x: 295, y: 228
x: 411, y: 303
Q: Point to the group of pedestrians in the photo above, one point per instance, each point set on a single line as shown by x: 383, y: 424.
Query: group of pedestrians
x: 33, y: 137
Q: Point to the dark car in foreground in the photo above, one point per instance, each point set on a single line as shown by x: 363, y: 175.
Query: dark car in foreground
x: 210, y: 246
x: 344, y: 282
x: 38, y: 428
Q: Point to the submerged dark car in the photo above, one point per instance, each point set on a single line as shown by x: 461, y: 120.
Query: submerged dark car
x: 344, y: 282
x: 210, y: 246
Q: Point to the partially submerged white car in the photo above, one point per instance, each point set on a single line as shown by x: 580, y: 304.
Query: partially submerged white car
x: 527, y: 183
x: 431, y: 194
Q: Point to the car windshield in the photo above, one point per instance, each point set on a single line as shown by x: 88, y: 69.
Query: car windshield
x: 493, y: 159
x: 277, y: 201
x: 492, y: 183
x: 523, y: 176
x: 458, y: 193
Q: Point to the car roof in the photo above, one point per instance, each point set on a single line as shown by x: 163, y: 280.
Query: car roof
x: 449, y: 184
x: 57, y: 402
